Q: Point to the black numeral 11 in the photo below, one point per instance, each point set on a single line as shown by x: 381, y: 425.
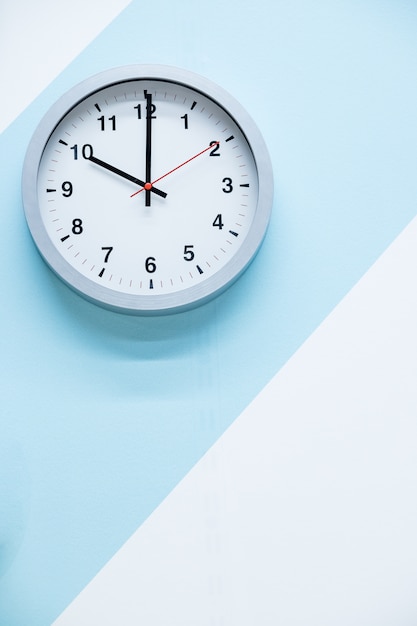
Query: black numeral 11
x: 102, y: 121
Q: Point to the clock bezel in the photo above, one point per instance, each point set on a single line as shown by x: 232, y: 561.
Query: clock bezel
x: 152, y: 304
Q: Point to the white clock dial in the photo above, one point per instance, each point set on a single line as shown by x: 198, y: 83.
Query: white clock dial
x: 147, y: 189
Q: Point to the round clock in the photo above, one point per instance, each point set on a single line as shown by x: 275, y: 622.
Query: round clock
x: 147, y: 189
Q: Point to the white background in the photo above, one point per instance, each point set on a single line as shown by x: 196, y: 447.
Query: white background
x: 304, y: 511
x: 38, y: 39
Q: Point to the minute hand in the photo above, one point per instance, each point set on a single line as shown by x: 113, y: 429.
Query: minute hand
x: 148, y: 156
x: 133, y: 179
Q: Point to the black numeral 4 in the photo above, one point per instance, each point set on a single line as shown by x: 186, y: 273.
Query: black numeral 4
x: 218, y: 222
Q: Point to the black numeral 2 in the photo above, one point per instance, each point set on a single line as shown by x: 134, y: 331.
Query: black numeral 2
x: 215, y: 152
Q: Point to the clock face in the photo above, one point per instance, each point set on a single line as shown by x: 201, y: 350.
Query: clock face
x: 147, y: 189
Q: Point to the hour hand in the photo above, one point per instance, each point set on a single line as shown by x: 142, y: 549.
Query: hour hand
x: 133, y: 179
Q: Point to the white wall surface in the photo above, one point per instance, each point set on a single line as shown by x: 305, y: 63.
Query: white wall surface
x: 251, y: 461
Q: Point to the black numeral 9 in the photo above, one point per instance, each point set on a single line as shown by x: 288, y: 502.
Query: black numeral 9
x: 66, y: 189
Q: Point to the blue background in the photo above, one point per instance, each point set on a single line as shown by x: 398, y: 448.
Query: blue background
x: 102, y: 414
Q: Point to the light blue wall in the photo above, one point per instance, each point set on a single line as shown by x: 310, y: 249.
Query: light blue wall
x: 102, y: 414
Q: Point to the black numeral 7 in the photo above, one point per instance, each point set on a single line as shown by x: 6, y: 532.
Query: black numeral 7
x: 109, y: 250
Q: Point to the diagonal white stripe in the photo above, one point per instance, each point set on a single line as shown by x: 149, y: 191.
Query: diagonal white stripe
x: 39, y: 39
x: 304, y: 511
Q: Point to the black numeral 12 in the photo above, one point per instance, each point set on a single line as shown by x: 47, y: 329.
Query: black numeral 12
x: 138, y: 108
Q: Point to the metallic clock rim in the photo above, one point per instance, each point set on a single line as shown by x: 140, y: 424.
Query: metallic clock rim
x: 155, y: 303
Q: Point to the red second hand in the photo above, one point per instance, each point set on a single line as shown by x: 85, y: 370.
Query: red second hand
x: 148, y: 186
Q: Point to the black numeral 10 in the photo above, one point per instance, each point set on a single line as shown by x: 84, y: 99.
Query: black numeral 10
x: 86, y: 151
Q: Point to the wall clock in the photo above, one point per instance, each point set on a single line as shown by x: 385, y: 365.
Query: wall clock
x: 147, y: 189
